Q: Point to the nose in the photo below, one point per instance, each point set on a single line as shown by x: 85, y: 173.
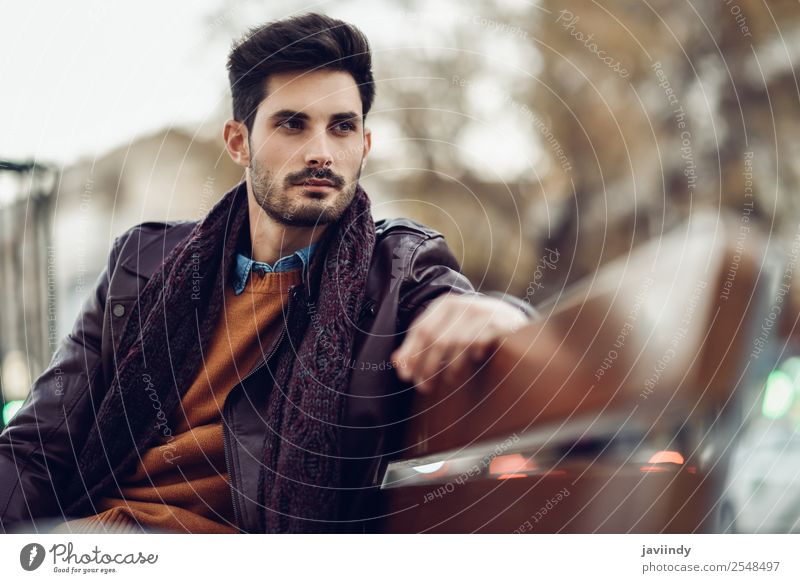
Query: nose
x: 319, y: 153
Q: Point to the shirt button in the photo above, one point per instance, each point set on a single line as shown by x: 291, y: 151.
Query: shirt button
x: 119, y: 310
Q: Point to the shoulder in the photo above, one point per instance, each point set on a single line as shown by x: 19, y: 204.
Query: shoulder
x: 404, y: 242
x: 404, y: 227
x: 143, y: 247
x: 406, y: 236
x: 157, y: 229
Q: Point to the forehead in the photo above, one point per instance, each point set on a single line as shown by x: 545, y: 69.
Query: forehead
x: 315, y: 93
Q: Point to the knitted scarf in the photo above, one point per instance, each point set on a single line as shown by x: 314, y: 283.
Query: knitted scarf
x: 177, y: 311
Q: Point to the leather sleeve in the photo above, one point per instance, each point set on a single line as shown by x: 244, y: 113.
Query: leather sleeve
x: 39, y: 447
x: 434, y: 271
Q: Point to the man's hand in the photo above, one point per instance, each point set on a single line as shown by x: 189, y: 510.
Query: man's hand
x: 453, y: 337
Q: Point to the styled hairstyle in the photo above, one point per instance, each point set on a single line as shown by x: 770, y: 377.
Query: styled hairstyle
x: 308, y: 42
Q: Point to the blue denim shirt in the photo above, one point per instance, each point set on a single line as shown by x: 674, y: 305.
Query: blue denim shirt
x: 245, y: 265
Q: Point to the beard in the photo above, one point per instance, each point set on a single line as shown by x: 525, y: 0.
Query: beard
x: 308, y: 209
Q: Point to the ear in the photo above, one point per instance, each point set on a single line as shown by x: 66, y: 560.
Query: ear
x: 236, y: 142
x: 367, y: 145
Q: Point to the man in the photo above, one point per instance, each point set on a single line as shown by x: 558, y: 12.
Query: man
x: 252, y: 372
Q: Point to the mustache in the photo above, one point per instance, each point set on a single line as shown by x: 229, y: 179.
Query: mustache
x: 315, y: 174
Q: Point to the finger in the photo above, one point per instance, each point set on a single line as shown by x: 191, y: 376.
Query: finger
x: 472, y: 352
x: 430, y: 370
x: 482, y: 349
x: 441, y: 355
x: 422, y: 334
x: 427, y: 362
x: 457, y: 370
x: 401, y: 369
x: 452, y: 339
x: 422, y: 353
x: 408, y: 354
x: 400, y: 363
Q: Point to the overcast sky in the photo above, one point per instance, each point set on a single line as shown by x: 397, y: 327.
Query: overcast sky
x: 81, y: 77
x: 84, y: 76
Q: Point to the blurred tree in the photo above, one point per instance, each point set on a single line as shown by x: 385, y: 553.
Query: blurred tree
x: 707, y: 115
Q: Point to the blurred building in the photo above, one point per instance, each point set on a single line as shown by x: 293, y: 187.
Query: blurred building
x: 28, y: 312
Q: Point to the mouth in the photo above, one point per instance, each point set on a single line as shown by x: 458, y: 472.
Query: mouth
x: 316, y: 183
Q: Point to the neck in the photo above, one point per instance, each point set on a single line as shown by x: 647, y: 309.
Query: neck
x: 271, y: 240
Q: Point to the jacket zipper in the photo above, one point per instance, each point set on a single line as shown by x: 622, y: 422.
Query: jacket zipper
x: 226, y: 431
x: 225, y: 447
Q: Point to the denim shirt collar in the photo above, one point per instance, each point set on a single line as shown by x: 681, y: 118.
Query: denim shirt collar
x: 244, y: 266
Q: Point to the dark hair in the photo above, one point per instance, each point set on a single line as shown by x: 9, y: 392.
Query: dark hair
x: 301, y: 43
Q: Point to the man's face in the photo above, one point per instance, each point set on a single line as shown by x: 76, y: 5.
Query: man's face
x: 307, y: 146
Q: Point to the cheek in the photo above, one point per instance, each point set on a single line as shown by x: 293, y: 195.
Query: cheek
x: 273, y: 151
x: 348, y: 153
x: 277, y: 163
x: 352, y: 163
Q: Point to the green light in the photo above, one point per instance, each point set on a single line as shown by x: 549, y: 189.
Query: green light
x: 791, y: 366
x: 778, y: 396
x: 10, y: 409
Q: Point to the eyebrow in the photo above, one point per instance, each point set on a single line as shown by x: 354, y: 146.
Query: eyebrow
x: 345, y: 116
x: 299, y: 115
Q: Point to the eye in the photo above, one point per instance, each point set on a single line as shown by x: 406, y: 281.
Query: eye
x: 290, y: 124
x: 344, y: 127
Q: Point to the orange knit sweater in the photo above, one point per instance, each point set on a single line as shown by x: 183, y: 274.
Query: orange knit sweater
x: 181, y: 485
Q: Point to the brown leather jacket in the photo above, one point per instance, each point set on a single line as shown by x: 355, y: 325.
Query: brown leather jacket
x: 411, y: 266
